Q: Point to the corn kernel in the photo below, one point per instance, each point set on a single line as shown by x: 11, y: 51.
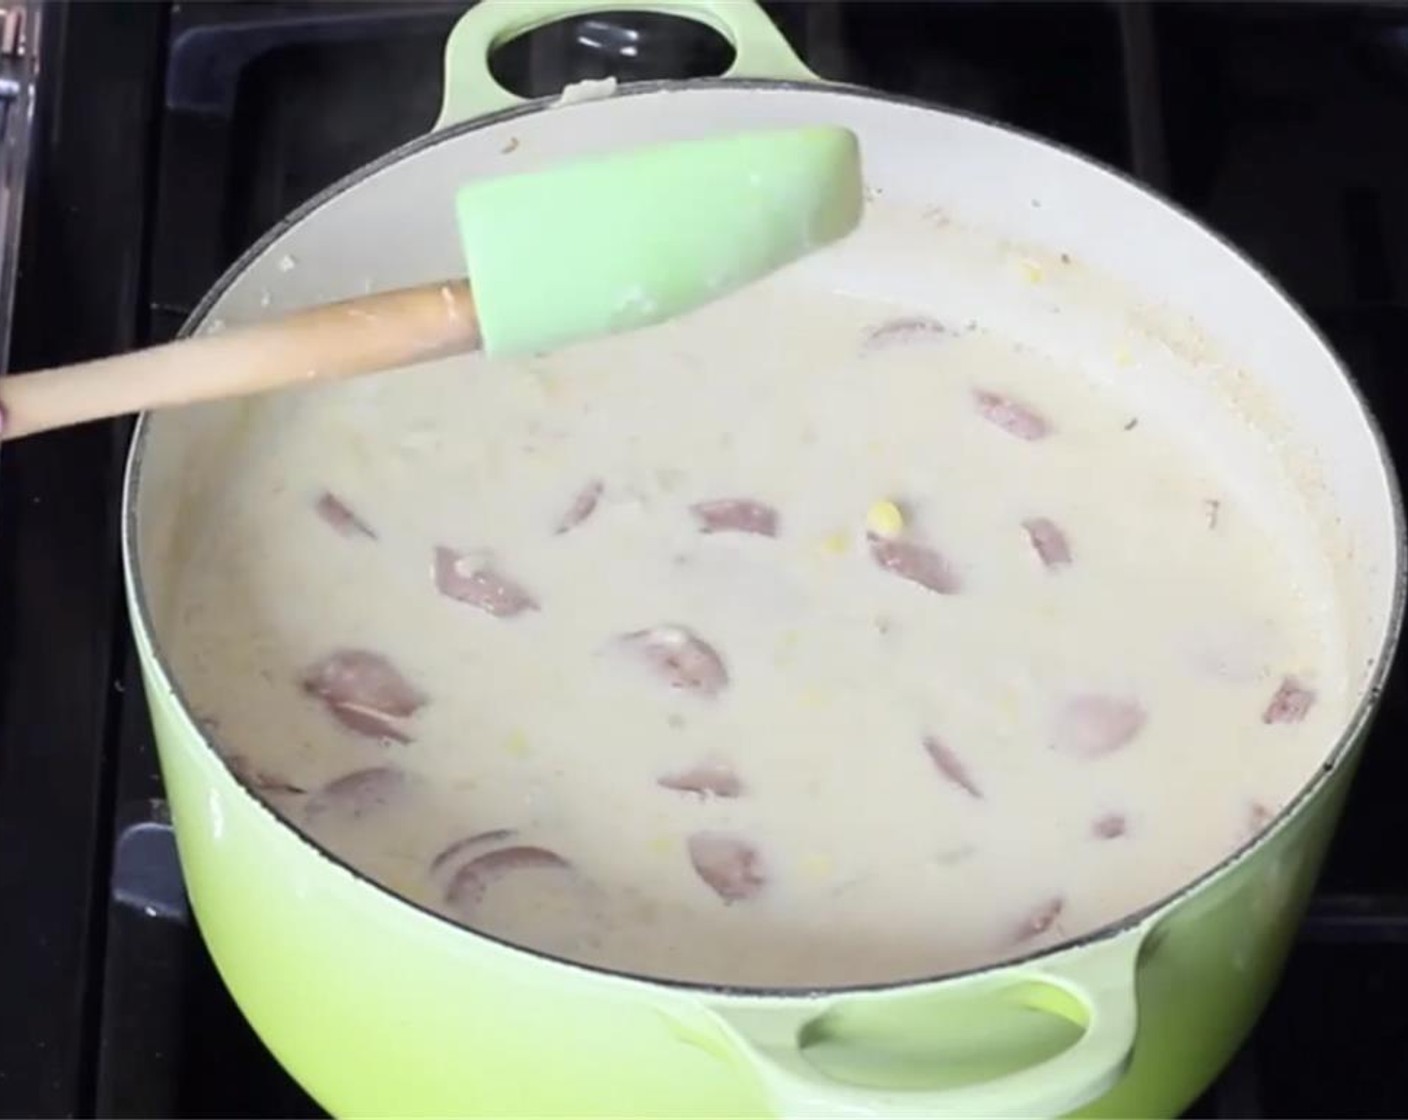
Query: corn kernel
x: 817, y: 866
x: 835, y: 544
x: 885, y: 519
x: 1031, y: 271
x: 516, y: 744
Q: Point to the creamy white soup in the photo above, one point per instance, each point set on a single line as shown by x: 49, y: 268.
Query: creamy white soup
x: 809, y: 639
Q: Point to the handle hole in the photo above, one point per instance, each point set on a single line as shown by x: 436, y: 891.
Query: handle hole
x: 627, y: 46
x: 944, y: 1043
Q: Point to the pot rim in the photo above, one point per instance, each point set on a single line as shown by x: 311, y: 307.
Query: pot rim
x: 1354, y: 728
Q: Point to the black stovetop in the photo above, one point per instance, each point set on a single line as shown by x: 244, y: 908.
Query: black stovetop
x: 169, y: 136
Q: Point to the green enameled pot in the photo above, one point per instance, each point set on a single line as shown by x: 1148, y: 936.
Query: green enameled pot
x: 379, y: 1008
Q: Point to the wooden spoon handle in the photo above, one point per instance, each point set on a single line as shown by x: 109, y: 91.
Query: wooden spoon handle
x: 336, y: 340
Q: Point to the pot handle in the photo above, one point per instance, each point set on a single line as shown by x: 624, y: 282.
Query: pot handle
x: 1096, y: 987
x: 760, y: 50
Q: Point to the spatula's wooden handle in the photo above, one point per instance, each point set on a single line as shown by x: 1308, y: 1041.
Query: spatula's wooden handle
x: 335, y: 340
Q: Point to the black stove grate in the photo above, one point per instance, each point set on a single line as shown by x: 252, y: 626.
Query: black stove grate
x: 169, y: 136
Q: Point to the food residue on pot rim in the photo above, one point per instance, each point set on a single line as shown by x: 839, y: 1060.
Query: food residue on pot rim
x: 588, y: 89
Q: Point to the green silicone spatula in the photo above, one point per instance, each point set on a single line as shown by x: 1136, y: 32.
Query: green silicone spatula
x: 584, y: 249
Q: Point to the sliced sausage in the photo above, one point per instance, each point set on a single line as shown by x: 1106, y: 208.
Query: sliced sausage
x: 1111, y: 826
x: 582, y: 507
x: 735, y: 515
x: 356, y: 795
x: 948, y: 763
x: 1010, y: 415
x: 902, y: 331
x: 1041, y: 919
x: 366, y: 678
x: 680, y: 657
x: 364, y: 692
x: 707, y: 779
x: 367, y: 723
x: 472, y: 579
x: 728, y: 864
x: 258, y: 778
x: 915, y: 562
x: 1092, y: 725
x: 340, y: 516
x: 1049, y: 542
x: 472, y: 881
x: 452, y: 852
x: 1290, y: 703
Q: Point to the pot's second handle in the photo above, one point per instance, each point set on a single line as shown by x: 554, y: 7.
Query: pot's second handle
x: 760, y: 50
x: 1100, y: 982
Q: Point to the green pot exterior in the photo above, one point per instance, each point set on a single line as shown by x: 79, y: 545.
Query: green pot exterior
x: 380, y: 1009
